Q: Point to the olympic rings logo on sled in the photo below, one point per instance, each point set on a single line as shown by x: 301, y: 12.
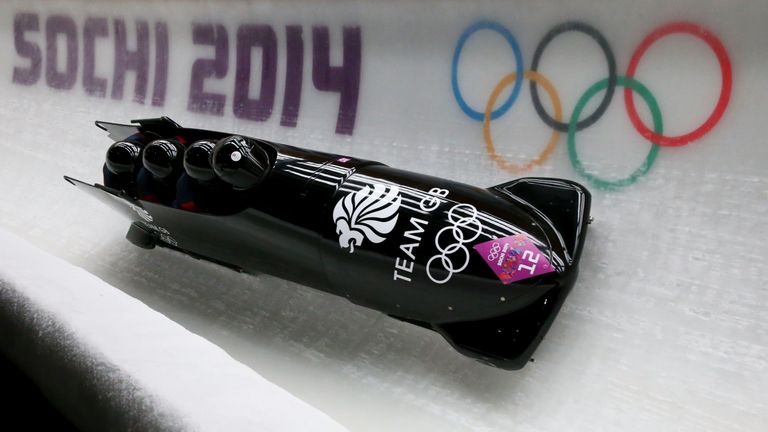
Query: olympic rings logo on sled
x: 576, y: 123
x: 455, y: 228
x: 493, y: 253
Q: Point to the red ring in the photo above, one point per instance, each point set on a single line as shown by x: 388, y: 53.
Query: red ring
x: 725, y: 89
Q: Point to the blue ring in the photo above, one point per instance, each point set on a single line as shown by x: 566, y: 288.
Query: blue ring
x: 500, y: 29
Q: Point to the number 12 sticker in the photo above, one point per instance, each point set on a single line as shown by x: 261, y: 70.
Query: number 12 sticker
x: 514, y: 258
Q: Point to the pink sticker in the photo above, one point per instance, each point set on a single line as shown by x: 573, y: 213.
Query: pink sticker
x: 514, y: 258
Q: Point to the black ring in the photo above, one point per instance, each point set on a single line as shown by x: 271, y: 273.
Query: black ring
x: 609, y: 57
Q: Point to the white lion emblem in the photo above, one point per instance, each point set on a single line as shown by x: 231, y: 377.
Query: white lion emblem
x: 367, y: 213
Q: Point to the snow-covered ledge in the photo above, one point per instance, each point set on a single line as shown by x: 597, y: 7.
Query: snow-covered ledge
x: 109, y: 362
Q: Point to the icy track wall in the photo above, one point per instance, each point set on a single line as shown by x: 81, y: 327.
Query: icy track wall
x: 136, y: 384
x: 500, y: 84
x: 658, y: 107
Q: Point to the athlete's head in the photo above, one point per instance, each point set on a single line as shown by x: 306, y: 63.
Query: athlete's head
x: 240, y: 161
x: 123, y: 157
x: 163, y: 158
x: 197, y: 160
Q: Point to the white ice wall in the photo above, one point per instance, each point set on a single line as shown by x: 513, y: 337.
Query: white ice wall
x: 111, y: 363
x: 666, y: 328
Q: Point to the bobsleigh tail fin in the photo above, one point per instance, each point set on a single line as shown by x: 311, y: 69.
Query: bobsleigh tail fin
x: 160, y: 126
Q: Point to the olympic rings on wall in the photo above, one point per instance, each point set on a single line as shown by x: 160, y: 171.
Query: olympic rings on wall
x: 658, y: 127
x: 609, y: 58
x: 498, y: 28
x: 534, y: 77
x: 608, y: 84
x: 725, y: 89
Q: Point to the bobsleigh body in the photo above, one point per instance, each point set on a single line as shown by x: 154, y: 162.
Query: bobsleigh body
x: 486, y: 268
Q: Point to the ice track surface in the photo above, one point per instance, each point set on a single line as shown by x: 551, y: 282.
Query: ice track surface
x: 667, y: 326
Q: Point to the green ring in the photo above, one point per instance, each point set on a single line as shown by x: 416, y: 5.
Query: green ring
x: 657, y: 127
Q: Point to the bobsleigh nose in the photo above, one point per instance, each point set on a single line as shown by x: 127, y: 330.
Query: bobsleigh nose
x: 509, y: 340
x: 564, y: 204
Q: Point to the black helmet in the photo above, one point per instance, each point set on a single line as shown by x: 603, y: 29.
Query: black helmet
x: 123, y: 157
x: 163, y: 158
x: 197, y: 160
x: 240, y: 161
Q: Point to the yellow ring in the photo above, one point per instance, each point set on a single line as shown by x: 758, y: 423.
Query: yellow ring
x: 547, y: 152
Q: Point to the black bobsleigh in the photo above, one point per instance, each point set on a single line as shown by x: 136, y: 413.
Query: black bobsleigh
x: 486, y: 268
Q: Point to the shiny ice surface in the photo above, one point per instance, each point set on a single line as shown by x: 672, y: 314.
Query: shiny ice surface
x: 667, y: 326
